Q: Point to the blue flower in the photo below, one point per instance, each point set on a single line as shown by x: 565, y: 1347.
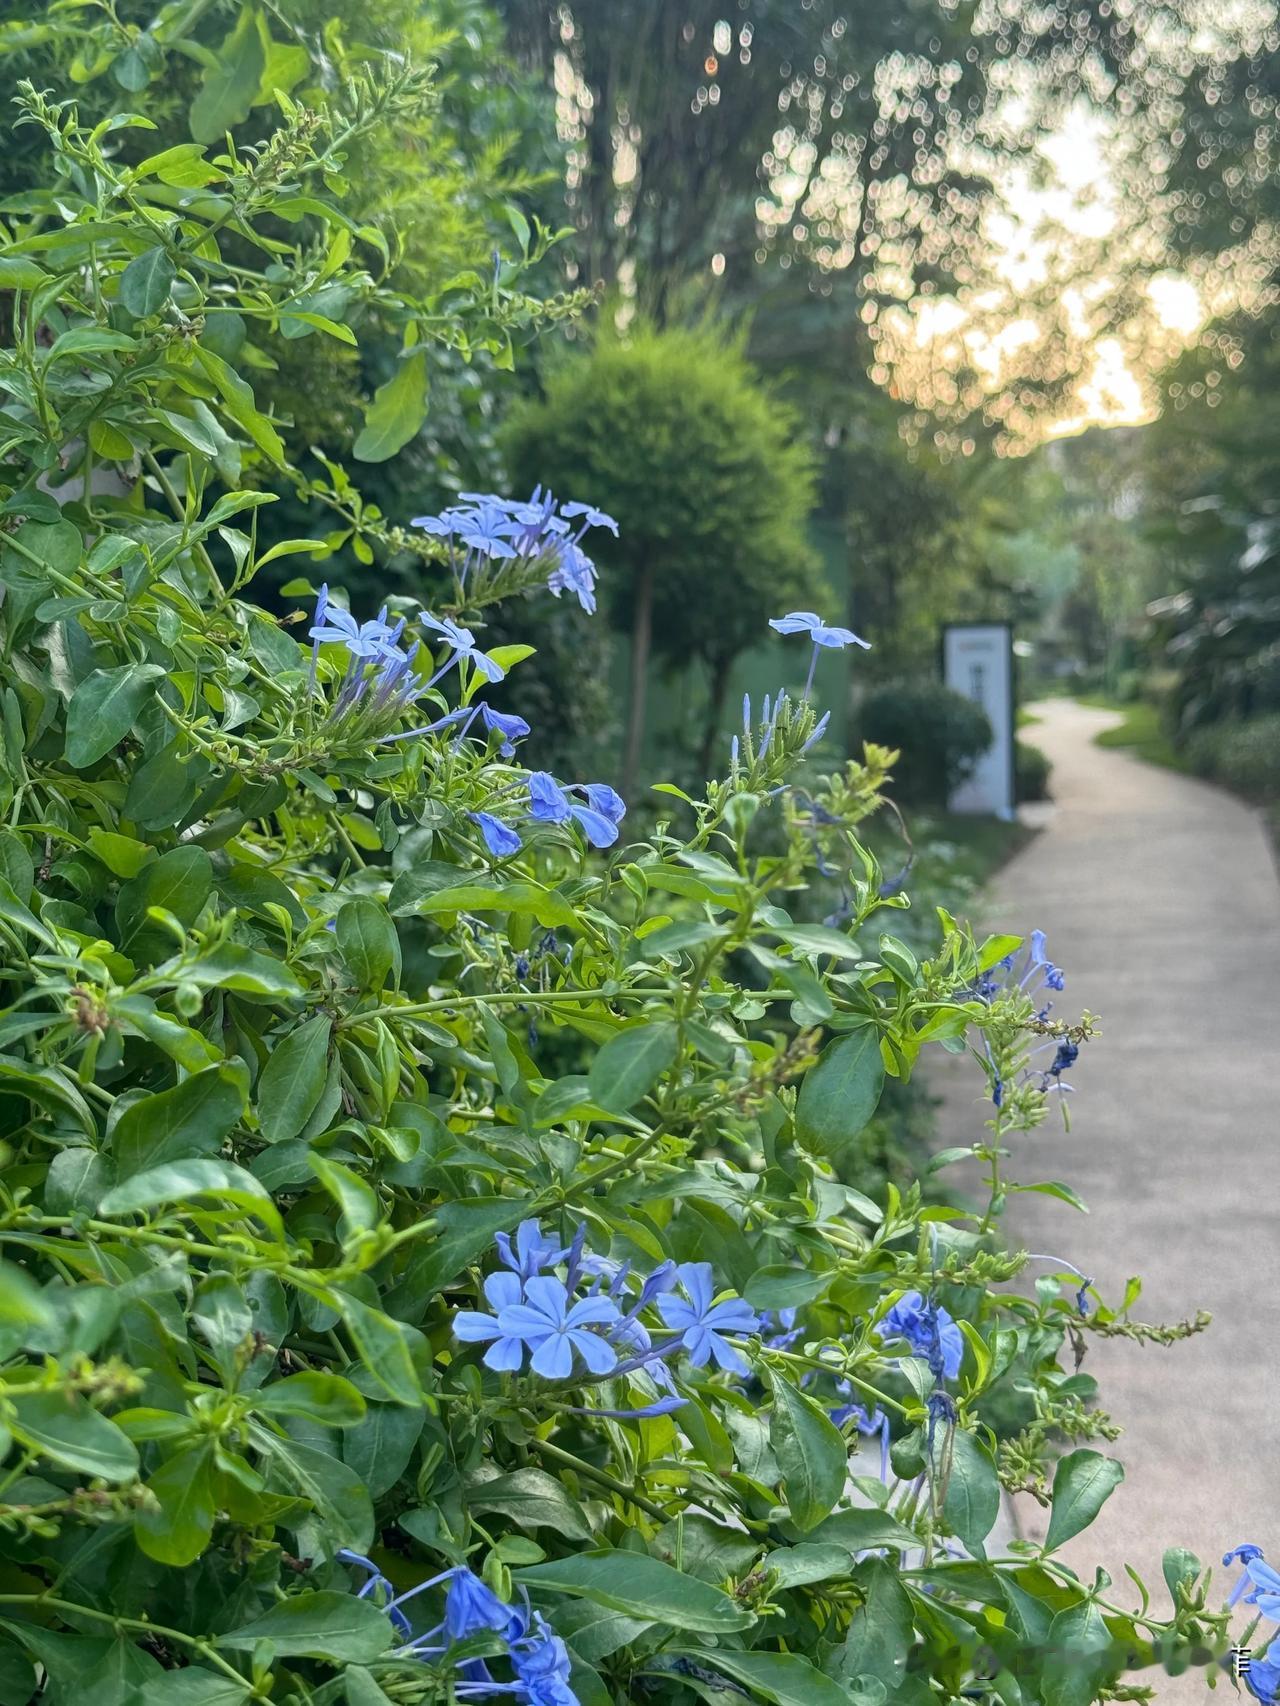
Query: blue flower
x: 471, y: 1606
x: 531, y: 1252
x: 553, y: 1328
x: 929, y: 1330
x: 462, y: 644
x: 506, y: 724
x: 377, y: 1588
x: 575, y: 572
x: 499, y: 838
x: 868, y: 1424
x: 822, y: 636
x: 702, y: 1323
x: 541, y: 1662
x: 591, y: 517
x: 1261, y: 1578
x: 366, y: 641
x: 1262, y: 1678
x: 473, y: 1327
x: 599, y: 817
x: 806, y: 622
x: 779, y: 1331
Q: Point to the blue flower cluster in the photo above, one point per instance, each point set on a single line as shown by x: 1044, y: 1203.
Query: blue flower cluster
x: 592, y: 1315
x: 1263, y: 1584
x: 594, y: 806
x: 541, y: 535
x: 538, y: 1657
x: 1029, y: 972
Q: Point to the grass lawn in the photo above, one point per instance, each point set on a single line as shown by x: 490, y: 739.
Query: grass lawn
x: 1140, y: 732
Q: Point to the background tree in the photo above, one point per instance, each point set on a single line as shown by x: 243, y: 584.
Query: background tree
x: 672, y: 433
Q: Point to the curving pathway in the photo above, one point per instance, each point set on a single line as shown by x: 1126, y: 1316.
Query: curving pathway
x: 1160, y: 897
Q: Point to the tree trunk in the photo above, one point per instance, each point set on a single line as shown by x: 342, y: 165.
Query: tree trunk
x: 719, y: 686
x: 641, y: 638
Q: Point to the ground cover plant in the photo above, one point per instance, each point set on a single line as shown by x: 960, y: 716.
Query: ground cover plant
x: 429, y: 1271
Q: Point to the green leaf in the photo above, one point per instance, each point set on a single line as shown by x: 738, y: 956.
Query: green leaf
x: 780, y: 1286
x: 179, y: 882
x: 1082, y: 1483
x: 800, y: 1566
x: 244, y: 971
x: 368, y: 942
x: 178, y: 1531
x: 68, y: 1429
x: 785, y: 1679
x: 629, y: 1064
x: 104, y: 708
x: 862, y: 1530
x: 396, y: 413
x: 840, y: 1094
x: 194, y: 1686
x: 546, y: 905
x: 382, y: 1346
x: 811, y: 1454
x: 465, y: 1230
x: 972, y: 1502
x: 361, y: 1688
x: 190, y: 1120
x: 230, y: 81
x: 238, y: 400
x: 146, y: 281
x: 641, y: 1587
x: 181, y: 1180
x: 21, y: 1301
x: 881, y: 1630
x: 327, y: 1399
x: 378, y: 1449
x: 532, y: 1499
x: 293, y: 1080
x: 318, y: 1625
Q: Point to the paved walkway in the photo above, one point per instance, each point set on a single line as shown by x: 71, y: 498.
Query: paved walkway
x: 1160, y: 898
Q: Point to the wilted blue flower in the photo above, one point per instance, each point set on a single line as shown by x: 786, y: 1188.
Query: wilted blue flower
x: 462, y: 643
x: 553, y: 1328
x: 929, y: 1330
x: 1262, y: 1678
x: 541, y: 1662
x: 549, y: 802
x: 702, y: 1323
x: 471, y: 1606
x: 531, y: 1253
x: 507, y: 724
x: 474, y: 1327
x: 499, y: 838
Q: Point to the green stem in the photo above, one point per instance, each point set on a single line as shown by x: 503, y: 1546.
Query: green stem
x: 545, y: 1449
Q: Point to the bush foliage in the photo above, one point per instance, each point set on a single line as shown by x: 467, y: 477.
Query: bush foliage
x: 938, y: 732
x: 428, y: 1268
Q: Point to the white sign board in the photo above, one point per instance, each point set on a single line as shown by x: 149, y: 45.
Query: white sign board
x: 977, y: 660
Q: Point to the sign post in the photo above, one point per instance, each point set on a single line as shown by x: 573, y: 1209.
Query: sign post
x: 977, y: 660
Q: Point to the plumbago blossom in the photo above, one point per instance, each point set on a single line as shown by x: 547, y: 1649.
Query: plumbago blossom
x: 1258, y: 1586
x: 501, y: 545
x: 591, y: 1318
x: 536, y: 1655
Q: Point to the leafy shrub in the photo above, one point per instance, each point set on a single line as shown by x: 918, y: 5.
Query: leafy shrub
x: 348, y: 1346
x: 1243, y: 755
x: 939, y: 735
x: 673, y: 434
x: 1031, y: 772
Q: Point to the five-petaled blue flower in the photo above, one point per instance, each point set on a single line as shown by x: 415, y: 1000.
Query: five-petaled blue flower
x: 702, y: 1323
x: 554, y: 1328
x: 462, y: 644
x: 499, y: 838
x: 604, y: 810
x: 807, y: 622
x: 929, y: 1330
x: 472, y: 1326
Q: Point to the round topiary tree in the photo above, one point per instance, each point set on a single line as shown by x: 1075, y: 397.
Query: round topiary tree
x: 938, y: 732
x: 674, y: 436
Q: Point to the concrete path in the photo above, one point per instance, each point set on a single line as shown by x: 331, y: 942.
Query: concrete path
x: 1160, y: 898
